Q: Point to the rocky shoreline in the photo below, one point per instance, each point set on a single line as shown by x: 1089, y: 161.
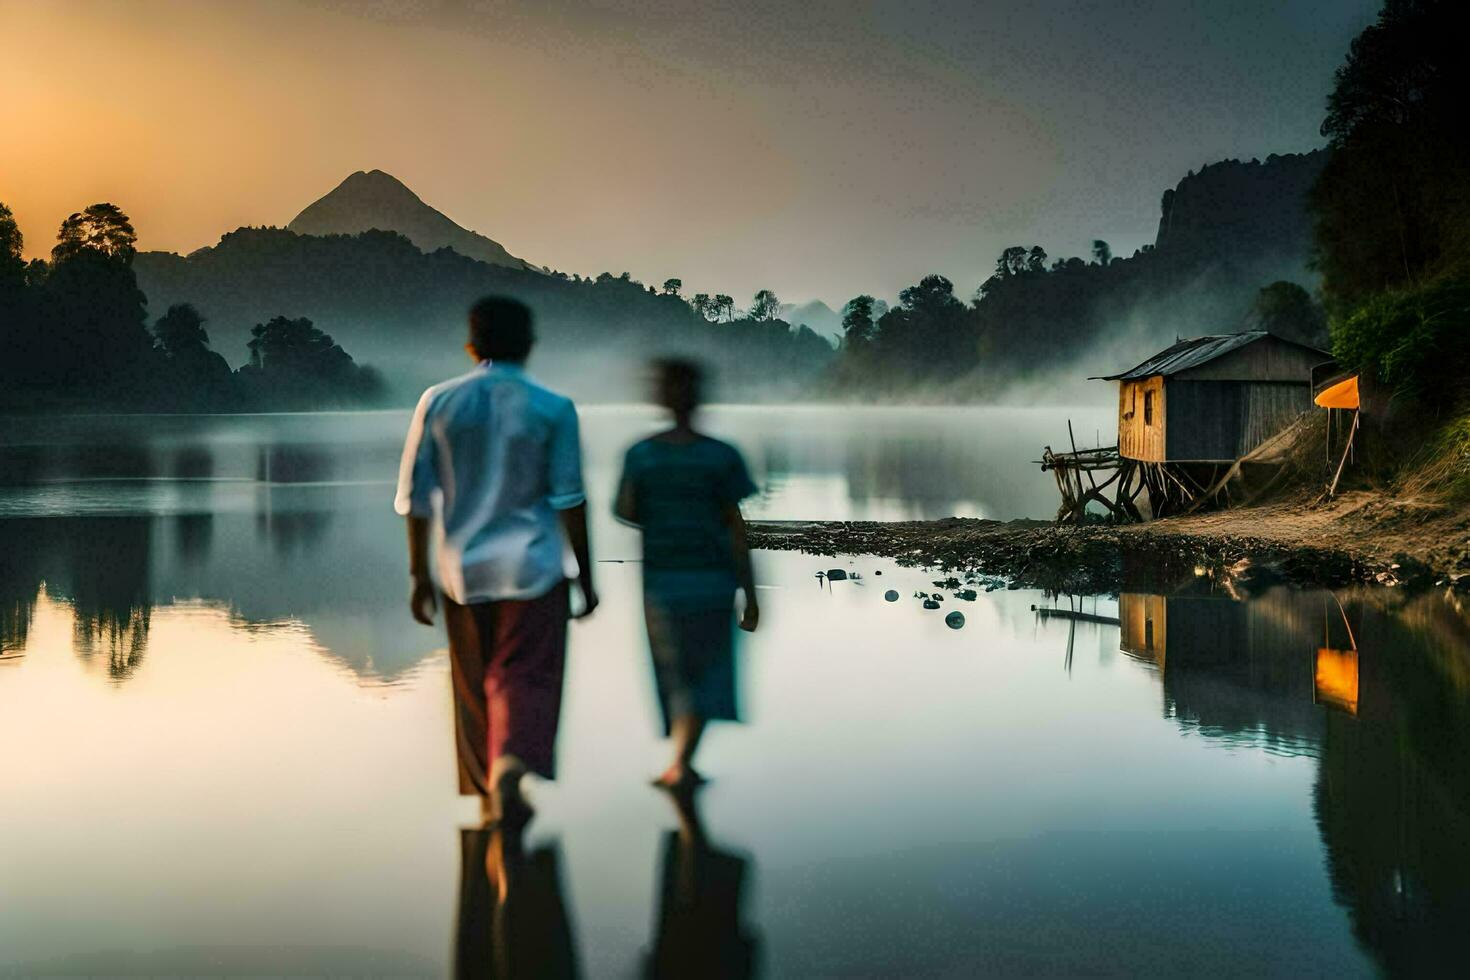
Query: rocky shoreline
x: 1103, y: 558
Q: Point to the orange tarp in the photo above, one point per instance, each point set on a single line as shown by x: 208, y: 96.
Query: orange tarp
x: 1344, y: 394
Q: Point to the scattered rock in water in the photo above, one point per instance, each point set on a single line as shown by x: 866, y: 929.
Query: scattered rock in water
x: 1013, y: 586
x: 969, y: 595
x: 930, y: 604
x: 891, y: 595
x: 949, y: 583
x: 955, y: 620
x: 837, y: 575
x: 879, y: 572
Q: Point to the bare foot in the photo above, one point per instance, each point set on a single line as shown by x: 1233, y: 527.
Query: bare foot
x: 679, y: 776
x: 511, y: 805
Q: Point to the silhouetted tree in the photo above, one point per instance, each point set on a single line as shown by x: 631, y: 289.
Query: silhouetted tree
x: 765, y: 305
x: 930, y: 336
x: 725, y: 307
x: 672, y: 286
x: 701, y: 304
x: 292, y: 363
x: 1287, y: 310
x: 1102, y: 253
x: 180, y: 330
x: 1036, y: 259
x: 16, y: 306
x: 194, y: 376
x: 857, y: 323
x: 12, y: 242
x: 100, y: 228
x: 92, y: 330
x: 1012, y: 261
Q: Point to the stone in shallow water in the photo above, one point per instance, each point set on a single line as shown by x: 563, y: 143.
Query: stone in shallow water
x: 930, y: 604
x: 836, y: 575
x: 955, y: 620
x: 891, y: 595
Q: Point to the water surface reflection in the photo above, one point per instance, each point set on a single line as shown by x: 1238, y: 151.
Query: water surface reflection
x: 212, y: 649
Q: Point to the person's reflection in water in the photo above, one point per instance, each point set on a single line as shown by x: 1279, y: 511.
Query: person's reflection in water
x: 512, y: 919
x: 700, y: 933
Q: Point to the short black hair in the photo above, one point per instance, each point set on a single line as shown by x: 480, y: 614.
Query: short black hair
x: 500, y: 329
x: 678, y: 383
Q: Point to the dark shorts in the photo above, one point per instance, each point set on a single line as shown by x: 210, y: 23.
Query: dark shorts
x: 693, y: 660
x: 507, y: 660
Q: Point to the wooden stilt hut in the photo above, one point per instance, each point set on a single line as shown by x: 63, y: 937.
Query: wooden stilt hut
x: 1187, y: 414
x: 1187, y: 418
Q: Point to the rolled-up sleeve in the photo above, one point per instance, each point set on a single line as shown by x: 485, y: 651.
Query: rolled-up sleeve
x: 564, y: 481
x: 418, y: 477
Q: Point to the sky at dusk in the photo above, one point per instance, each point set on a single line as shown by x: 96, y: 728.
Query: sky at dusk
x: 821, y: 149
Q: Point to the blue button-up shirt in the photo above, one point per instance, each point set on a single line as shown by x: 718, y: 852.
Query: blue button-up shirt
x: 497, y: 456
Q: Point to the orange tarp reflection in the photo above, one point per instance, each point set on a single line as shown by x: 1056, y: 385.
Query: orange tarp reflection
x: 1344, y: 394
x: 1337, y: 678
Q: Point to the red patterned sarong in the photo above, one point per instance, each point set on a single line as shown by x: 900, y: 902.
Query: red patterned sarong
x: 507, y: 659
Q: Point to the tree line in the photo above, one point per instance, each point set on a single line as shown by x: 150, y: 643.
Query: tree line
x: 74, y: 334
x: 398, y: 306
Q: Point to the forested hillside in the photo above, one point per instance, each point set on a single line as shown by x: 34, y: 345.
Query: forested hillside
x: 1233, y: 250
x: 404, y: 310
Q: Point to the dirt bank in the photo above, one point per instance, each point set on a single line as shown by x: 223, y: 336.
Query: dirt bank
x: 1361, y: 536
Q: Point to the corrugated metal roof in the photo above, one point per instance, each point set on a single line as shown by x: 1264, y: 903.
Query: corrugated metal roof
x: 1187, y: 354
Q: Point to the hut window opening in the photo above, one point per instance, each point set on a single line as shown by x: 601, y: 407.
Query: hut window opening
x: 1148, y: 408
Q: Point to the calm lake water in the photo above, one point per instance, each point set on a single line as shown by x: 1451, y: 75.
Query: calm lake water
x: 228, y: 749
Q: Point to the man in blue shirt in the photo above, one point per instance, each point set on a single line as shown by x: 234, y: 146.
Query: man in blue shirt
x: 494, y: 463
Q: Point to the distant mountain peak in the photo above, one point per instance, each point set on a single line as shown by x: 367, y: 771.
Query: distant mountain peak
x: 370, y: 199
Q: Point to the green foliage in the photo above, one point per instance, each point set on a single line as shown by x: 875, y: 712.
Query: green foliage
x: 1415, y: 340
x: 1392, y: 207
x: 1288, y: 310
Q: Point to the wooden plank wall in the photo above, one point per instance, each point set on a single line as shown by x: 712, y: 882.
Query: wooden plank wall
x: 1267, y: 408
x: 1224, y: 420
x: 1205, y: 420
x: 1137, y: 437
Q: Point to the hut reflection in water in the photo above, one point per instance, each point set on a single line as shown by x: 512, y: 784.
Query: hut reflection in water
x: 1295, y: 673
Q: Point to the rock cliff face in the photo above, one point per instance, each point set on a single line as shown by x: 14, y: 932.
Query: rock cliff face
x: 1235, y: 208
x: 374, y: 199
